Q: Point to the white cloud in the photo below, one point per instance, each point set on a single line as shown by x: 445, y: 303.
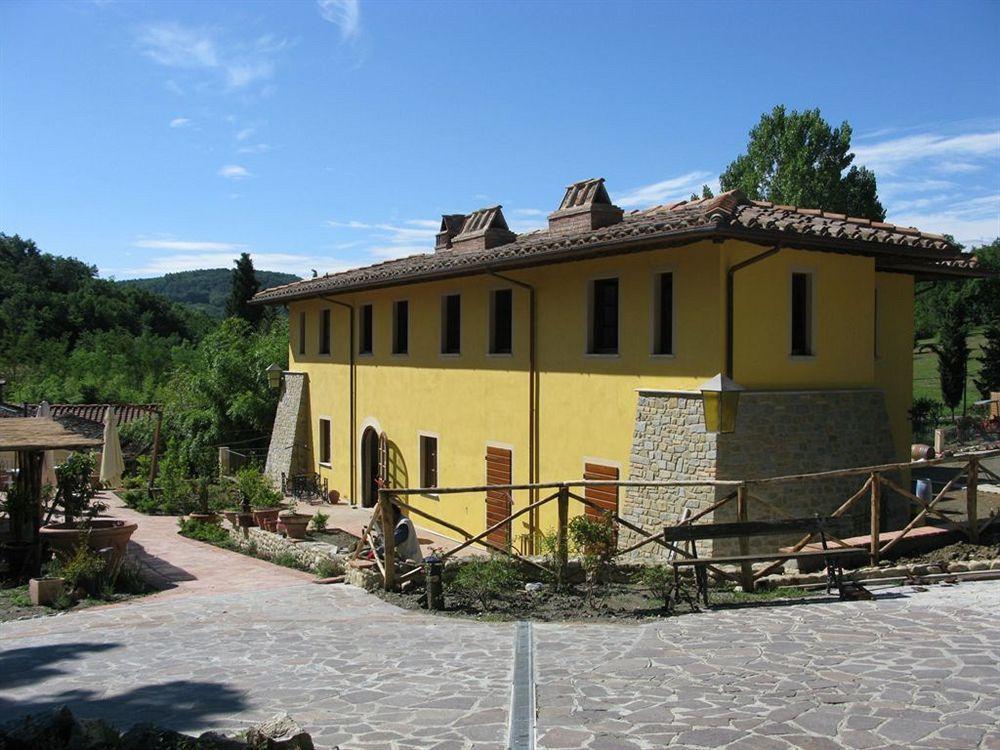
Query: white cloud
x: 239, y: 63
x: 300, y: 264
x: 180, y: 122
x: 256, y: 148
x: 187, y: 245
x: 245, y: 133
x: 973, y: 221
x: 384, y: 241
x: 345, y: 14
x: 234, y: 172
x: 674, y: 188
x: 529, y: 212
x: 888, y: 156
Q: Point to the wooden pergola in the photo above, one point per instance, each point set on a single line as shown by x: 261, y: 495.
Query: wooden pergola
x: 29, y: 438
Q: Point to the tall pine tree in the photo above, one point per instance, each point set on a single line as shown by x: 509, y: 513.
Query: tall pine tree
x: 989, y: 374
x: 953, y: 356
x: 245, y: 286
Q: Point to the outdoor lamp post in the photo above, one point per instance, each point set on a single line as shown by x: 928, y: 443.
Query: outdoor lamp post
x: 273, y: 376
x: 721, y: 397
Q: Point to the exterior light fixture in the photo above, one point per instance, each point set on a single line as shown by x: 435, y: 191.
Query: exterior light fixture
x: 721, y: 397
x: 273, y: 376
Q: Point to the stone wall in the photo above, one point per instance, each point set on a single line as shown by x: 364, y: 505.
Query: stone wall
x: 288, y: 450
x: 268, y: 545
x: 777, y: 433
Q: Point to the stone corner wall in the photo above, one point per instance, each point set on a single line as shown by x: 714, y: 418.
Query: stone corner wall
x: 286, y: 453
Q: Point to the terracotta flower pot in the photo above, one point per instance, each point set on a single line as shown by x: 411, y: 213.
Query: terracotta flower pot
x: 98, y: 534
x: 204, y: 517
x: 245, y: 521
x: 294, y: 524
x: 266, y: 518
x: 334, y: 497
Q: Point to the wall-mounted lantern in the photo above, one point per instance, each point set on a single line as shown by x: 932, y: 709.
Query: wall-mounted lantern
x: 721, y: 397
x: 273, y: 376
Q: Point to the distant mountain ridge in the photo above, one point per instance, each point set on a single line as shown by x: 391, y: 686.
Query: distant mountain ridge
x: 205, y: 289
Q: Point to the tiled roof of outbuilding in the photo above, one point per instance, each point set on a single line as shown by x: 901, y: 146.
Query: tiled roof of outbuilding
x: 728, y: 215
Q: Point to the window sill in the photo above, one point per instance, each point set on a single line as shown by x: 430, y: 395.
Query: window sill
x: 431, y: 496
x: 500, y: 354
x: 802, y: 357
x: 451, y: 355
x: 366, y: 354
x: 662, y: 356
x: 400, y: 355
x: 601, y: 355
x: 326, y: 464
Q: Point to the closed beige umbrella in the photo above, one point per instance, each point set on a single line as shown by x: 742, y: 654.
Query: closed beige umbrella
x: 112, y: 463
x: 49, y: 459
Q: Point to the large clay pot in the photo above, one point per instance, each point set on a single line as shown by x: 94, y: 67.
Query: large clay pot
x: 266, y: 518
x: 98, y: 534
x: 294, y: 524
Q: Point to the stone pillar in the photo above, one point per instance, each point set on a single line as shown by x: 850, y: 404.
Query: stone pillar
x: 287, y: 453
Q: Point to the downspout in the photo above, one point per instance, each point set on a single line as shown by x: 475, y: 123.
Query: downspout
x: 730, y: 273
x: 353, y: 396
x: 533, y: 431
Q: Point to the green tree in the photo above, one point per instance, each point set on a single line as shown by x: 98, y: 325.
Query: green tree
x: 245, y: 286
x: 706, y: 192
x: 989, y: 374
x: 953, y: 356
x: 797, y: 158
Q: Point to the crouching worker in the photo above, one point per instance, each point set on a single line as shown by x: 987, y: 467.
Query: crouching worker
x: 405, y: 537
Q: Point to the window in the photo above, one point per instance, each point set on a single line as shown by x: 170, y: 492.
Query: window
x: 365, y: 339
x: 324, y: 332
x: 324, y: 441
x: 428, y: 461
x: 877, y: 346
x: 501, y: 321
x: 400, y: 327
x: 302, y: 333
x: 802, y: 314
x: 663, y: 314
x: 451, y: 324
x: 603, y: 317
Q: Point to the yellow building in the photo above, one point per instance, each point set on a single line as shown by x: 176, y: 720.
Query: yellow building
x: 579, y: 350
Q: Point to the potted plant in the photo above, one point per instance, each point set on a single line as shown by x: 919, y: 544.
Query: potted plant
x: 293, y: 523
x: 74, y: 500
x: 204, y: 514
x: 264, y: 500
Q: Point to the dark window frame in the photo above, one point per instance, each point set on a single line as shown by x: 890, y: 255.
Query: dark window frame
x: 302, y: 332
x: 801, y: 314
x: 366, y: 329
x: 604, y: 316
x: 664, y: 315
x: 325, y: 331
x: 428, y: 461
x: 401, y: 327
x: 325, y: 440
x: 501, y: 321
x: 451, y: 324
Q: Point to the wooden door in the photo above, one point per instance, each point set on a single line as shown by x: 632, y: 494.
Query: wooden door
x: 498, y: 503
x: 605, y: 497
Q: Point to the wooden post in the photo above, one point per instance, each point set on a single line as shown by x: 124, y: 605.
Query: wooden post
x: 562, y: 541
x: 875, y: 517
x: 742, y: 515
x: 388, y: 539
x: 972, y: 501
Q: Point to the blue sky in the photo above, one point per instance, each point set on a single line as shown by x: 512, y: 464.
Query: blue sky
x: 155, y: 137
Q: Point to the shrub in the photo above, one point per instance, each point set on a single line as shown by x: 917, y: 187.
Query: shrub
x: 75, y: 496
x: 659, y: 579
x: 925, y: 414
x: 319, y: 521
x: 129, y: 578
x: 257, y: 488
x: 205, y: 532
x: 327, y: 568
x: 289, y: 560
x: 594, y: 540
x: 84, y: 570
x: 487, y: 580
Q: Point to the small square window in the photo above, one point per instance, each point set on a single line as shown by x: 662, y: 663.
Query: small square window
x: 365, y: 340
x: 324, y: 332
x: 451, y: 324
x: 501, y: 321
x: 428, y: 461
x: 603, y: 338
x: 324, y: 441
x: 802, y: 314
x: 401, y: 327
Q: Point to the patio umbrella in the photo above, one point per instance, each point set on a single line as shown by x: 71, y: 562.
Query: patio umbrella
x: 112, y: 464
x: 49, y: 459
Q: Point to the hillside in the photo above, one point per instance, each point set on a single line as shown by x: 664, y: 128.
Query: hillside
x: 205, y: 290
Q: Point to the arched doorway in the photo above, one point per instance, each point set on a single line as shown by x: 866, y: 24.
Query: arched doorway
x: 369, y: 468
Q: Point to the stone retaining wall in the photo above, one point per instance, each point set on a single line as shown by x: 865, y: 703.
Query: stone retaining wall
x: 267, y: 544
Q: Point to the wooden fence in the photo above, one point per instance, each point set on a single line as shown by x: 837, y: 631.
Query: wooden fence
x: 742, y: 492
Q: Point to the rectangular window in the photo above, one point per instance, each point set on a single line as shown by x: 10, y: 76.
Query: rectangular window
x: 663, y: 321
x: 802, y: 314
x: 451, y: 324
x: 366, y: 333
x: 302, y: 332
x: 400, y: 327
x: 501, y: 321
x: 324, y: 441
x: 604, y: 317
x: 877, y: 345
x: 428, y: 461
x: 324, y: 332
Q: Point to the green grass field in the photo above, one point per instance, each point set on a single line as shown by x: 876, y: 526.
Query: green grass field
x: 925, y: 372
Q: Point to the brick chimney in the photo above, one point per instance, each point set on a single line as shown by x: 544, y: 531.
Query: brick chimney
x: 451, y: 224
x: 482, y: 230
x: 585, y: 206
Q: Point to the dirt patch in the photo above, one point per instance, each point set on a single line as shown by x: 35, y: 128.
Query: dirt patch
x: 15, y: 604
x: 344, y: 541
x: 958, y: 552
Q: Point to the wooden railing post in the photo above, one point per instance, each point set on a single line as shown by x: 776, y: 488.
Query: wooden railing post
x: 388, y: 539
x: 972, y: 501
x: 562, y: 542
x: 875, y: 517
x: 742, y: 515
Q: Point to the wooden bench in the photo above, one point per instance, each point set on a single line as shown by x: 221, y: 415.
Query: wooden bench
x: 692, y: 533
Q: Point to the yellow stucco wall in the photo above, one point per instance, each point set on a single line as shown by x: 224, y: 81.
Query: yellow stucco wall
x: 587, y: 402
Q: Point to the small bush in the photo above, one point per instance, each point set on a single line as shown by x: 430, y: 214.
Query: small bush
x: 84, y: 570
x: 487, y: 580
x: 289, y: 560
x: 319, y: 521
x: 212, y: 533
x: 129, y: 578
x: 327, y: 568
x: 594, y: 540
x: 659, y: 579
x: 924, y: 417
x: 257, y: 488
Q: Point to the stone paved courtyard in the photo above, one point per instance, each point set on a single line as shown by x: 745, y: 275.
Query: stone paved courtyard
x: 912, y: 670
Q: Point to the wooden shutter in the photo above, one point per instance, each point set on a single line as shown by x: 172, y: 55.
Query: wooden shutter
x: 498, y: 502
x: 605, y: 497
